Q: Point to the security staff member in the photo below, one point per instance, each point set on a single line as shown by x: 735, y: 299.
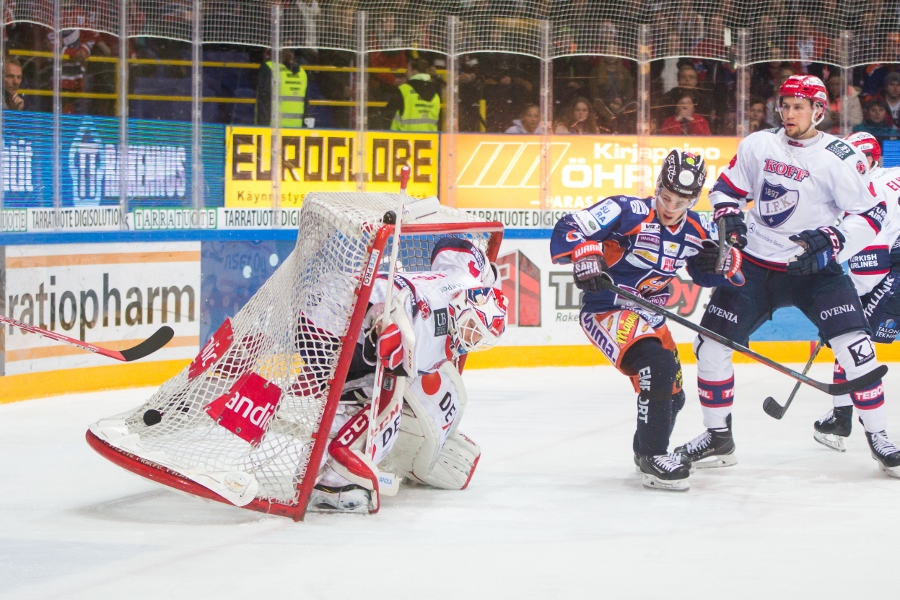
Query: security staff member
x: 291, y: 95
x: 417, y: 104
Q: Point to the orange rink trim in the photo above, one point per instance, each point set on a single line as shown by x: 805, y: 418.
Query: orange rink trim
x: 14, y: 388
x: 587, y: 356
x: 65, y: 350
x: 28, y: 386
x: 65, y: 260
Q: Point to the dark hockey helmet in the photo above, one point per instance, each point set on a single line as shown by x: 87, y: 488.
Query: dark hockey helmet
x: 683, y: 173
x: 867, y: 144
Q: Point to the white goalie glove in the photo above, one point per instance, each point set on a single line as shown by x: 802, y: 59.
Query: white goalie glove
x: 429, y: 449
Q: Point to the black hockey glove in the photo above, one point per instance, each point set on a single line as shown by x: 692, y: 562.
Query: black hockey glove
x: 820, y: 247
x: 589, y: 266
x: 735, y: 228
x: 707, y: 261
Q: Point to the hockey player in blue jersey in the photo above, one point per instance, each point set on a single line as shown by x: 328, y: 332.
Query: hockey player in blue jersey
x: 639, y: 244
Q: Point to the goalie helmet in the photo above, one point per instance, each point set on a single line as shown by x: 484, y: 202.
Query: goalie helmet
x: 477, y: 319
x: 868, y: 145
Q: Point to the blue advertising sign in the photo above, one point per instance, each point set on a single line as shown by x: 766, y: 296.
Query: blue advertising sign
x: 159, y: 159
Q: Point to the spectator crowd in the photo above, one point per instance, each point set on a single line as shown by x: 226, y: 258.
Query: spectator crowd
x: 693, y: 79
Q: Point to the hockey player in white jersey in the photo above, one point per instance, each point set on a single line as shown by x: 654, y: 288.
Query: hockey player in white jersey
x: 436, y: 316
x: 875, y: 272
x: 800, y: 181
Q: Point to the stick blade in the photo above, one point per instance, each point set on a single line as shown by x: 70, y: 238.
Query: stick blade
x: 860, y: 383
x: 773, y: 409
x: 160, y: 338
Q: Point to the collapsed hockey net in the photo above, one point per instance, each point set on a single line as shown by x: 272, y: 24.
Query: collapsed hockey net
x: 291, y: 344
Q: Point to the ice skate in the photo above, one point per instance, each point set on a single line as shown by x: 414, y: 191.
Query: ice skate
x: 683, y: 459
x: 714, y: 448
x: 833, y: 427
x: 665, y: 472
x: 885, y: 452
x: 349, y: 498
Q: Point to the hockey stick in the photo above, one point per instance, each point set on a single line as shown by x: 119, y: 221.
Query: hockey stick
x: 148, y: 346
x: 833, y: 389
x: 724, y: 245
x: 385, y: 319
x: 775, y: 410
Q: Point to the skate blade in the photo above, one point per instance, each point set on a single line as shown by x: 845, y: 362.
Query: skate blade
x: 714, y: 462
x: 360, y: 509
x: 677, y: 485
x: 835, y: 442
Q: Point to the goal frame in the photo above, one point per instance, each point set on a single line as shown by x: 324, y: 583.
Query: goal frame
x: 297, y: 512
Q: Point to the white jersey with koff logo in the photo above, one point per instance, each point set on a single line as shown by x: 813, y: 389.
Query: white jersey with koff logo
x: 869, y: 266
x: 796, y: 186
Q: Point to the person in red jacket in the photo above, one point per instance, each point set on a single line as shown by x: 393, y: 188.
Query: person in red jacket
x: 684, y: 121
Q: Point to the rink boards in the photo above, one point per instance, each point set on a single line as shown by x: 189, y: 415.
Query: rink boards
x: 115, y: 294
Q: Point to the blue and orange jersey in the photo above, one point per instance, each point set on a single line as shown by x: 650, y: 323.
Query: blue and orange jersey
x: 641, y: 253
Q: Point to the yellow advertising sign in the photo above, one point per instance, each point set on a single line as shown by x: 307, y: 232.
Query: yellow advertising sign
x: 504, y: 171
x: 324, y: 161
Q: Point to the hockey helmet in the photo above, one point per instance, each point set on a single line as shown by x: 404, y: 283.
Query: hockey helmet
x: 804, y: 86
x: 867, y: 144
x: 683, y: 173
x: 477, y: 319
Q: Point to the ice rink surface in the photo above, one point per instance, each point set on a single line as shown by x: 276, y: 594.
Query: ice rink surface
x: 555, y: 510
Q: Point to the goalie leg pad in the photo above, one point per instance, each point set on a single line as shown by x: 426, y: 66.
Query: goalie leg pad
x: 347, y: 449
x: 429, y: 450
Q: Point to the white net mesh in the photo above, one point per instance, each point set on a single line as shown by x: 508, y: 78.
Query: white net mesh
x: 291, y: 333
x: 807, y: 31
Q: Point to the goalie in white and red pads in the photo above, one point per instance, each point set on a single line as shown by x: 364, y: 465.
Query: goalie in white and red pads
x: 435, y: 317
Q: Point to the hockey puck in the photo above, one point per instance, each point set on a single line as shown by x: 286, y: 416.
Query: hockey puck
x: 389, y: 218
x: 152, y: 417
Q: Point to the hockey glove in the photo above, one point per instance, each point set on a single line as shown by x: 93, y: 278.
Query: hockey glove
x: 589, y: 266
x: 707, y: 260
x: 820, y: 247
x: 390, y: 347
x: 735, y: 228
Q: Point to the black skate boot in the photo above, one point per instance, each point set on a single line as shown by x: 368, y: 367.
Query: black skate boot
x: 833, y: 427
x: 665, y: 472
x: 885, y: 452
x: 349, y: 498
x: 711, y: 449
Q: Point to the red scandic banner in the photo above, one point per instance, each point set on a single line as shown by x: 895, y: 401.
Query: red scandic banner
x: 247, y: 408
x: 213, y: 350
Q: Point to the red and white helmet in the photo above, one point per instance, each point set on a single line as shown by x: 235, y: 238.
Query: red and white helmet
x: 805, y: 86
x: 867, y: 144
x: 477, y: 319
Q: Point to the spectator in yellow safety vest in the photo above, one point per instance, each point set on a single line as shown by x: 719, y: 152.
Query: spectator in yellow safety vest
x: 416, y: 106
x: 291, y: 95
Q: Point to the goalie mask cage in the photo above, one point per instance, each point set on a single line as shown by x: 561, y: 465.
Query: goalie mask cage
x: 298, y: 333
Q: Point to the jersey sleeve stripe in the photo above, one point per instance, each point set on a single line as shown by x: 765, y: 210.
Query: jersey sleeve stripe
x: 729, y: 189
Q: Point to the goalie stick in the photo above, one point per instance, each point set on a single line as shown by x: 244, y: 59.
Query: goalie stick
x: 775, y: 410
x: 153, y: 343
x: 834, y: 389
x: 385, y: 319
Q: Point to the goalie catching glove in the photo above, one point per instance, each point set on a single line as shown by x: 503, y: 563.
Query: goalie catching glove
x: 589, y: 266
x: 707, y: 261
x: 820, y: 247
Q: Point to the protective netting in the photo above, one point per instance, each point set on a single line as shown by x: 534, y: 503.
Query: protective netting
x: 835, y: 32
x: 290, y: 333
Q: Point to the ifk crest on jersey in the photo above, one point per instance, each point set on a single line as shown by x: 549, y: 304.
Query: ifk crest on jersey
x: 777, y: 203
